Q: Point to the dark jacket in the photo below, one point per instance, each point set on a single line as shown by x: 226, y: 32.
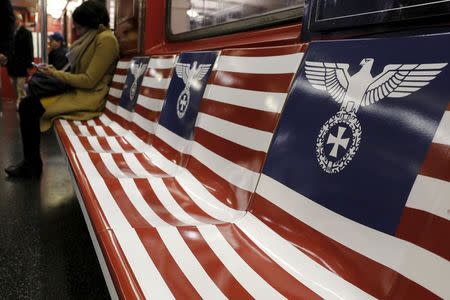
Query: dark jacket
x: 23, y: 53
x: 6, y: 27
x: 57, y: 58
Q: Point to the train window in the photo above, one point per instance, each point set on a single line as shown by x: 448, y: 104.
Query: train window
x: 191, y: 19
x: 329, y: 14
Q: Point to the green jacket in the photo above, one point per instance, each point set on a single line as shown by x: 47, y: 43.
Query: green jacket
x: 91, y: 80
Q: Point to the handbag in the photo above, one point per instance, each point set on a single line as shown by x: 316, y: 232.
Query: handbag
x: 42, y: 85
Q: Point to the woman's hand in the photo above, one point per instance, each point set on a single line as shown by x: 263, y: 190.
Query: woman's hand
x: 47, y: 69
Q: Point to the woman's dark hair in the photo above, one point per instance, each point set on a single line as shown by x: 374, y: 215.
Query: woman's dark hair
x: 91, y: 14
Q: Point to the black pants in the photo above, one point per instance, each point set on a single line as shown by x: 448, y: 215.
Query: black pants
x: 30, y: 112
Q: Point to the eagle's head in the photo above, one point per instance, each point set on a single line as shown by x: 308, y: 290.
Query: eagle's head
x: 366, y: 61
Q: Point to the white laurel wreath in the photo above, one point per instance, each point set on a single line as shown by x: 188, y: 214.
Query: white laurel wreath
x: 337, y: 166
x: 180, y: 113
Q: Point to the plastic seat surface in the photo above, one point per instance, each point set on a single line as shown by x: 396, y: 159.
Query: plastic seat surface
x: 137, y: 128
x: 363, y: 187
x: 371, y: 228
x: 226, y: 154
x: 172, y: 138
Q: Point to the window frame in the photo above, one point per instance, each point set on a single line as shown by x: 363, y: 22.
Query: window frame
x: 265, y: 20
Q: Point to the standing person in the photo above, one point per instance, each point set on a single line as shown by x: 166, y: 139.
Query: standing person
x: 6, y: 31
x: 58, y: 50
x: 92, y: 58
x: 19, y: 63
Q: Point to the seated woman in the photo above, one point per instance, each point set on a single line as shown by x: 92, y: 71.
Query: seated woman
x: 92, y: 58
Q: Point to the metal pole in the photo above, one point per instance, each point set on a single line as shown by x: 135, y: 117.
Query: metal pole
x: 43, y: 15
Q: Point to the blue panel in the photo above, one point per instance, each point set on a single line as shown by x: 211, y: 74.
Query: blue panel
x: 185, y: 92
x: 359, y: 157
x: 135, y: 75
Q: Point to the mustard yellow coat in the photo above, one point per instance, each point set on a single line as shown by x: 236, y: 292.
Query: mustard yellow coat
x: 91, y: 83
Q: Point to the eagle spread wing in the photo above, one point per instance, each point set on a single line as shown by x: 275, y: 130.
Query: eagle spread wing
x: 329, y: 77
x: 183, y: 71
x: 398, y: 81
x: 201, y: 71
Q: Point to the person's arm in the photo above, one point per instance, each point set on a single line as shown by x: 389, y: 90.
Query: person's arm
x: 106, y: 52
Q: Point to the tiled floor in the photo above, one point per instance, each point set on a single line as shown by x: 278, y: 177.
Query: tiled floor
x: 45, y: 248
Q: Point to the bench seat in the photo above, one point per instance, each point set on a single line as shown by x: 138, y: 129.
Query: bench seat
x: 206, y: 183
x: 253, y: 195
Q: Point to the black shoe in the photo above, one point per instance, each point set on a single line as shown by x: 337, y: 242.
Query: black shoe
x: 25, y: 170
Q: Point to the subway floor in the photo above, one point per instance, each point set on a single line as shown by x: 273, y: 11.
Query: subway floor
x: 45, y: 248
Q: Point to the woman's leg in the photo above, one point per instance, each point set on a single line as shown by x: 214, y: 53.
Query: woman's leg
x: 30, y: 112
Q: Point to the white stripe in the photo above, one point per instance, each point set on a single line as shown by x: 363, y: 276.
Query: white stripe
x: 111, y: 107
x: 244, y: 274
x: 442, y: 135
x: 134, y: 165
x: 144, y: 123
x: 231, y: 172
x: 162, y: 63
x: 99, y: 130
x: 136, y: 142
x: 107, y: 203
x: 318, y: 279
x: 114, y: 144
x: 93, y: 141
x: 115, y: 92
x: 135, y: 197
x: 112, y: 166
x: 203, y: 198
x: 150, y: 280
x: 430, y: 195
x: 105, y: 120
x: 266, y: 101
x: 126, y: 114
x: 189, y: 264
x: 150, y: 103
x: 414, y: 262
x: 162, y: 162
x: 170, y: 203
x: 157, y: 83
x: 84, y: 130
x: 246, y: 136
x: 119, y: 78
x: 91, y: 123
x: 175, y: 141
x: 118, y: 129
x: 260, y: 65
x: 123, y: 64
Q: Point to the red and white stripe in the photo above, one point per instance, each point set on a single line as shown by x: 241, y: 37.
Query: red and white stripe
x: 426, y: 218
x: 417, y: 257
x: 225, y: 158
x: 238, y: 261
x: 132, y: 131
x: 175, y: 220
x: 363, y: 256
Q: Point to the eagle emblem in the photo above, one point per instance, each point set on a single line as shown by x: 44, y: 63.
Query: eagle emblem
x: 137, y: 70
x: 191, y: 77
x: 353, y: 92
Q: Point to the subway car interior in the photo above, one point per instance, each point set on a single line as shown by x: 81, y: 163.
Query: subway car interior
x: 240, y: 149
